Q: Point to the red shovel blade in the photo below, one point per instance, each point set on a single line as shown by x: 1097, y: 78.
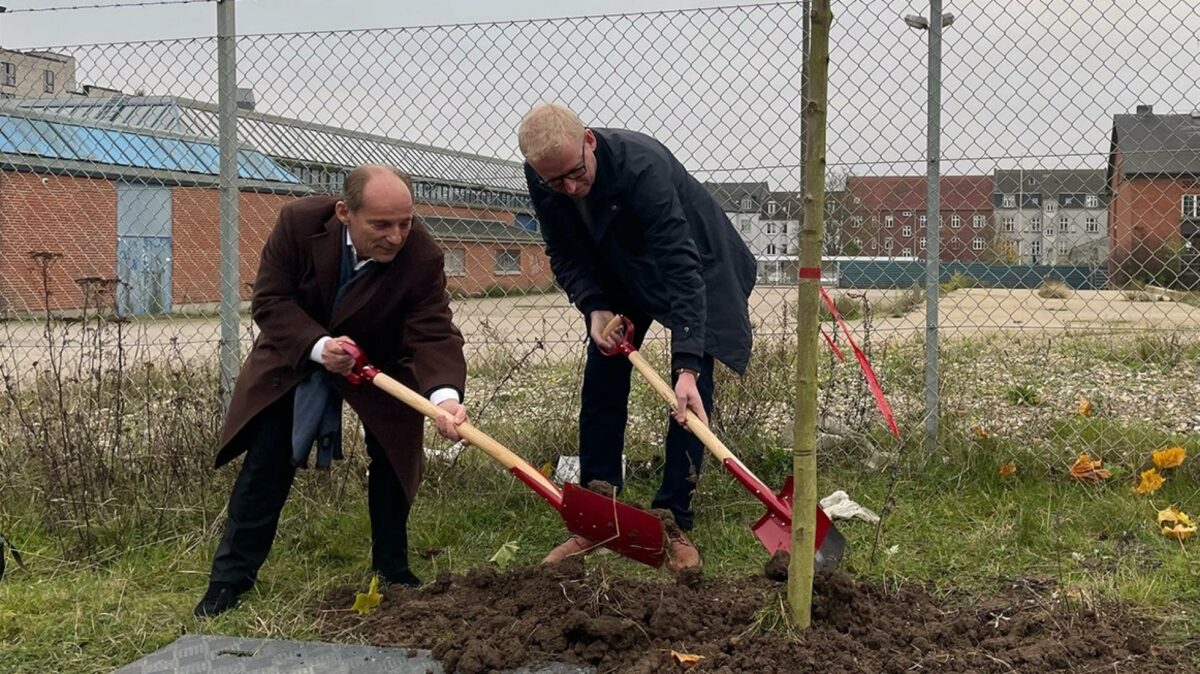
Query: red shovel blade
x: 626, y: 530
x: 775, y: 534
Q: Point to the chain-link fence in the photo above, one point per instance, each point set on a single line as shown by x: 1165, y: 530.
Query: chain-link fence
x: 1069, y: 202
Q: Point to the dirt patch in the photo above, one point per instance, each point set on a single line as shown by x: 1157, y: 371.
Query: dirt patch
x: 485, y: 620
x: 603, y: 488
x: 776, y: 567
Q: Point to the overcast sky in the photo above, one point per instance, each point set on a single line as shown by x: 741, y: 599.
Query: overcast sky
x: 1035, y: 82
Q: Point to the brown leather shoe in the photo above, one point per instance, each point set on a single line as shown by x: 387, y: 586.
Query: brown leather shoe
x: 682, y: 554
x: 575, y: 545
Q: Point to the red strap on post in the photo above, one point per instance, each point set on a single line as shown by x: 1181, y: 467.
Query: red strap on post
x: 868, y: 372
x: 836, y: 351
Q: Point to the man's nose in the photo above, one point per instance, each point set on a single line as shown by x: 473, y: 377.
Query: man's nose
x: 570, y: 186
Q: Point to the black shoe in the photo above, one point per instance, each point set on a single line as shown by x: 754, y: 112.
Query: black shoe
x: 219, y: 598
x: 404, y: 577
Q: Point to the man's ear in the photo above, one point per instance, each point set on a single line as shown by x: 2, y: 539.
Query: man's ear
x: 342, y: 211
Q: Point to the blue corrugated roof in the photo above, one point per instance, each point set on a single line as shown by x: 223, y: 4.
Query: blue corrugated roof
x: 78, y: 142
x: 290, y: 139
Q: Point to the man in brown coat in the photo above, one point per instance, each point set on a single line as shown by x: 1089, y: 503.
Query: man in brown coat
x: 333, y: 270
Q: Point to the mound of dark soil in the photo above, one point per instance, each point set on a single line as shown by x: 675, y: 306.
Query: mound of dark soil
x: 485, y: 621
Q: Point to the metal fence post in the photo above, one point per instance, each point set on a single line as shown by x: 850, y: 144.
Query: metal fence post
x: 228, y: 181
x: 933, y: 226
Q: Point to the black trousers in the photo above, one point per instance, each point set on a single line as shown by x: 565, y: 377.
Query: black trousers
x: 262, y: 487
x: 604, y: 411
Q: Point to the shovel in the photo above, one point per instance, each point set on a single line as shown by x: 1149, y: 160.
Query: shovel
x: 622, y: 528
x: 774, y: 529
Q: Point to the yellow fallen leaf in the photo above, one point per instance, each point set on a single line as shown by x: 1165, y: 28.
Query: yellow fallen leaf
x: 365, y: 601
x: 1085, y: 406
x: 1150, y: 483
x: 547, y: 469
x: 1171, y: 457
x: 1087, y: 470
x: 686, y: 659
x: 1176, y: 524
x: 1179, y: 532
x: 981, y: 433
x: 1008, y: 469
x: 1172, y: 514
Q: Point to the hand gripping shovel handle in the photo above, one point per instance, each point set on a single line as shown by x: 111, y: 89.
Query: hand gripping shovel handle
x: 364, y: 371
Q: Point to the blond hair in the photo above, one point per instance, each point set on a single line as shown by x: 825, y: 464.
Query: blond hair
x: 546, y: 127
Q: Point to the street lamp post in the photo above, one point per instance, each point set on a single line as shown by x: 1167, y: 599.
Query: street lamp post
x: 933, y: 224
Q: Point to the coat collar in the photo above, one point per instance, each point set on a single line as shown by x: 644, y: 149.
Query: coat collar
x: 327, y: 249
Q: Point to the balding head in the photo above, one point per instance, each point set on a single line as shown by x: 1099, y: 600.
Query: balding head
x: 354, y: 189
x: 377, y: 208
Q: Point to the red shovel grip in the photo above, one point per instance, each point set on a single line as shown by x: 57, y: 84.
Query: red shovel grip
x: 623, y: 347
x: 363, y: 369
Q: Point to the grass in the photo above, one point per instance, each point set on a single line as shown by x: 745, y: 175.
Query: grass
x: 1023, y: 394
x: 954, y: 523
x: 958, y: 281
x: 962, y: 533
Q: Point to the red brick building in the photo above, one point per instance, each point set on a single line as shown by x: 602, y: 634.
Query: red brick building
x: 1154, y: 212
x: 887, y: 217
x: 89, y: 206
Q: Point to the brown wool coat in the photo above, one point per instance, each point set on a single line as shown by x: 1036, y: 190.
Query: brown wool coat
x: 399, y: 314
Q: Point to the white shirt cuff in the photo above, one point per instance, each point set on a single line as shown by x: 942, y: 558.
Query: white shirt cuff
x: 442, y: 395
x: 315, y: 354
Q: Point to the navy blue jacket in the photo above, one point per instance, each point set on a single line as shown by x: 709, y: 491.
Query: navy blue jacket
x: 657, y: 243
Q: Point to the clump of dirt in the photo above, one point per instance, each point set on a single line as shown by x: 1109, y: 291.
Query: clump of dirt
x: 776, y: 568
x: 603, y: 488
x: 486, y: 620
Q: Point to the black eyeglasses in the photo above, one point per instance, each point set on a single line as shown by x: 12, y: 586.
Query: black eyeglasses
x: 574, y: 174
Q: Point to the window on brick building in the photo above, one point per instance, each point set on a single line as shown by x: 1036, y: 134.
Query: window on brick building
x: 955, y: 221
x: 977, y: 221
x: 1190, y: 205
x: 977, y: 243
x: 507, y: 263
x: 906, y: 230
x: 456, y: 262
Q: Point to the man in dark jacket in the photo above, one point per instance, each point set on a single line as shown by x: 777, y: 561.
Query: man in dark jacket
x: 629, y: 231
x: 355, y: 269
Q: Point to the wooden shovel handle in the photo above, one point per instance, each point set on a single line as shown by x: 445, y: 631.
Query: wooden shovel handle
x: 692, y: 422
x: 476, y: 437
x: 612, y: 326
x: 664, y: 390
